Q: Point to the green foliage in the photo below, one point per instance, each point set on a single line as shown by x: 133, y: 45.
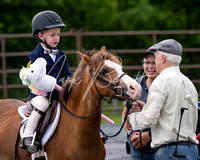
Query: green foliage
x: 16, y: 15
x: 103, y: 15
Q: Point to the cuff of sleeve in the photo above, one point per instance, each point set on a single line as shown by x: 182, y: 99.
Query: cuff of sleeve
x: 133, y: 122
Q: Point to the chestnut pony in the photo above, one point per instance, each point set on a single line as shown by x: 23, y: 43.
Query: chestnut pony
x: 75, y: 138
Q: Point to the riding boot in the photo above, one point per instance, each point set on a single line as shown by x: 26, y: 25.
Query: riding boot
x: 31, y: 124
x: 40, y: 104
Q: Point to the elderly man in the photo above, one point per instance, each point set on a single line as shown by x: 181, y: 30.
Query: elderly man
x: 169, y: 92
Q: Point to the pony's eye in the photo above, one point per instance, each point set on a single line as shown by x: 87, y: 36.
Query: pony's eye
x: 104, y: 71
x: 31, y: 71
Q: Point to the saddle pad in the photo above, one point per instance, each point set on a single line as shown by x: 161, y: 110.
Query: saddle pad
x: 50, y: 129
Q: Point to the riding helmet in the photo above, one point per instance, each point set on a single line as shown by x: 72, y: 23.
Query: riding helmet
x: 44, y: 20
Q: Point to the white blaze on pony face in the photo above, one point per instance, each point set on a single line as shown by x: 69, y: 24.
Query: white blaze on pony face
x: 134, y: 89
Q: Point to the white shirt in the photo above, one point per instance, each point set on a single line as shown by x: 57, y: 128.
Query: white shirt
x: 169, y: 92
x: 53, y: 56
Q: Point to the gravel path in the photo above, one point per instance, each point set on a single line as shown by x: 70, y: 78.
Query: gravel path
x: 115, y: 147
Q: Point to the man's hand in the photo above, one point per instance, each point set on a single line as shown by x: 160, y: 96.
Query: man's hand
x: 135, y: 139
x: 138, y: 105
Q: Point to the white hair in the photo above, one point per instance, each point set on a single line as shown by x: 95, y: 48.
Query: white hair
x: 171, y: 58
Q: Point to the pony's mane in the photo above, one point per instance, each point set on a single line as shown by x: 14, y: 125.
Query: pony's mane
x: 100, y: 56
x: 96, y: 58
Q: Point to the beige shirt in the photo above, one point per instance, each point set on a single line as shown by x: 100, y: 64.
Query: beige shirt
x: 169, y: 92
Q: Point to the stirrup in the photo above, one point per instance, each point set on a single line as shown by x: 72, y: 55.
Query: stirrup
x: 32, y: 147
x: 30, y: 144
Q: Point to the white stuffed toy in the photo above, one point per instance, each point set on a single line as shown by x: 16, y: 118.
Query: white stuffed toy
x: 36, y: 79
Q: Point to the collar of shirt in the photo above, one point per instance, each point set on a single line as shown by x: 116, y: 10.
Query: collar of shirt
x: 172, y: 68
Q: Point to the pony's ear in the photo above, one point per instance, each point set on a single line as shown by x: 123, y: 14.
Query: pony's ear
x: 86, y: 59
x: 103, y: 49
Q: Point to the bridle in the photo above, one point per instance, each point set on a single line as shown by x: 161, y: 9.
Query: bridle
x: 114, y: 88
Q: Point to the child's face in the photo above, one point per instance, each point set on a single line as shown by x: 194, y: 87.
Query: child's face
x: 51, y: 36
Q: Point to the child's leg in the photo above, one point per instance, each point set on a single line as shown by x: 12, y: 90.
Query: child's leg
x: 40, y: 104
x: 29, y: 108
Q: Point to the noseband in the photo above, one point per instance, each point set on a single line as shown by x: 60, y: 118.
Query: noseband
x: 113, y: 87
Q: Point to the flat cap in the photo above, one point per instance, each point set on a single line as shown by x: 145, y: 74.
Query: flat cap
x: 169, y: 46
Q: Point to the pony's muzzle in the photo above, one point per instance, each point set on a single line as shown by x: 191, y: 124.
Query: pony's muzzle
x: 134, y: 90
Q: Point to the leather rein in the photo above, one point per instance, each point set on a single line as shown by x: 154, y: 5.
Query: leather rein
x: 106, y: 83
x: 113, y: 87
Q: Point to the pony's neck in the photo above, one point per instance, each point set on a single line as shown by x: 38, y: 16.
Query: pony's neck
x: 84, y: 99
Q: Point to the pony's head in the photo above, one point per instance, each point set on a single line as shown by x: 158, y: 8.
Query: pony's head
x: 106, y: 75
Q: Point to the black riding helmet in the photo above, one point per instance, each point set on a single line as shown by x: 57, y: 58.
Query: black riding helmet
x: 45, y: 20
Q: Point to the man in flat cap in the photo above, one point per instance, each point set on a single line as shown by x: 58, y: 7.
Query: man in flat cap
x: 171, y: 103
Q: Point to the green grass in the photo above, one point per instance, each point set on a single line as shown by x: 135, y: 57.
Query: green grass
x: 115, y: 115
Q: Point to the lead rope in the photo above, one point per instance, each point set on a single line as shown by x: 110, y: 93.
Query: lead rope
x: 128, y: 105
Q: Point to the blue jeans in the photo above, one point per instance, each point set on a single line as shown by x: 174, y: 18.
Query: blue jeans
x: 136, y: 154
x: 166, y: 152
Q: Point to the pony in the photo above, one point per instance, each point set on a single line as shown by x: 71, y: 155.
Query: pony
x: 77, y: 136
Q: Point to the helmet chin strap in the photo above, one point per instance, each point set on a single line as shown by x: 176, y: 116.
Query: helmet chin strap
x: 44, y: 42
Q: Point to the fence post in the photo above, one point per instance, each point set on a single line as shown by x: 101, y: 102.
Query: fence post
x: 78, y: 43
x: 4, y: 75
x: 154, y: 36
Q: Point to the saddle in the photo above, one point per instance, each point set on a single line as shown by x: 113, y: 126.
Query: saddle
x: 46, y: 120
x: 46, y: 125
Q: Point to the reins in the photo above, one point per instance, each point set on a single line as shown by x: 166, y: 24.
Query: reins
x: 106, y: 83
x: 90, y: 115
x: 112, y: 87
x: 128, y: 105
x: 59, y: 70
